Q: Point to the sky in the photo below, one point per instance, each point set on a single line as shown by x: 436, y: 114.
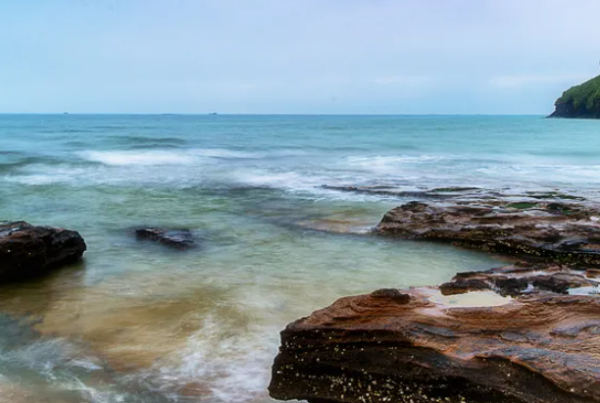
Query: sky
x: 294, y: 56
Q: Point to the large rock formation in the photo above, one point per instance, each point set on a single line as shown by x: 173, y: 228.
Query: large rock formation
x: 27, y: 250
x: 527, y: 333
x: 418, y: 345
x: 551, y: 231
x: 580, y: 101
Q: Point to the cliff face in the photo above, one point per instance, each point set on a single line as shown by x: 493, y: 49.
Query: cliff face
x: 581, y: 101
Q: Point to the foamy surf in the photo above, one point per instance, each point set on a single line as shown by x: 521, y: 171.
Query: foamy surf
x: 125, y: 158
x: 171, y: 157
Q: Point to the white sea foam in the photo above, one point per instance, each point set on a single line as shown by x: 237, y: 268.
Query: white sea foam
x: 292, y: 180
x: 543, y: 174
x: 138, y: 157
x: 224, y: 153
x: 171, y: 157
x: 32, y: 180
x: 394, y: 159
x: 232, y: 362
x: 388, y: 165
x: 224, y: 167
x: 44, y: 174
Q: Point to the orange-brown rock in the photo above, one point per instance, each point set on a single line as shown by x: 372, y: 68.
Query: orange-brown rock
x: 417, y: 345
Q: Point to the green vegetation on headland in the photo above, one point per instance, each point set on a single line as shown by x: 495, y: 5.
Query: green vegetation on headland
x: 580, y: 101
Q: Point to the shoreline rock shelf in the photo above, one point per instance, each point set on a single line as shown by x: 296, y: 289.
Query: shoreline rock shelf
x: 416, y: 345
x: 546, y: 231
x: 27, y: 250
x: 526, y: 333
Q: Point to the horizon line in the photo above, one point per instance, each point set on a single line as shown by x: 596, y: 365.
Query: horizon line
x: 264, y: 114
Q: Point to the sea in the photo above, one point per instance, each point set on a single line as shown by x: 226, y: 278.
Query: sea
x: 279, y: 233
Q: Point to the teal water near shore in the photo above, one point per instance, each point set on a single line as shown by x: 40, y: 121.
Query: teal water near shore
x: 136, y: 322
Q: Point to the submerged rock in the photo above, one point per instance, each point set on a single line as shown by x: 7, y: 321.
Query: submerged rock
x: 418, y: 345
x: 27, y: 250
x: 393, y: 191
x: 179, y: 239
x: 550, y: 231
x: 459, y: 193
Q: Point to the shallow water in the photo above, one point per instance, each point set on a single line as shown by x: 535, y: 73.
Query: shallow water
x: 137, y: 322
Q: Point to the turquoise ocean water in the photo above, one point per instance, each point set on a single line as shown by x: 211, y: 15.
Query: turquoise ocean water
x: 136, y: 322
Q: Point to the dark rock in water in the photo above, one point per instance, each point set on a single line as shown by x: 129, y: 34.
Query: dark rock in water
x: 180, y: 239
x: 553, y: 195
x: 518, y: 280
x: 548, y: 231
x: 477, y: 347
x: 459, y: 193
x: 27, y: 250
x: 440, y: 193
x: 455, y: 189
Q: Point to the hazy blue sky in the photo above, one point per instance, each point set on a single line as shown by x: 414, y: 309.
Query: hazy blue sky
x: 294, y: 56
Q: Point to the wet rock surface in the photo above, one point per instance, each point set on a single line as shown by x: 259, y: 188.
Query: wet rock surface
x: 440, y: 193
x: 521, y: 279
x: 525, y: 333
x: 418, y: 345
x: 562, y: 232
x: 178, y: 239
x: 457, y: 193
x: 27, y: 250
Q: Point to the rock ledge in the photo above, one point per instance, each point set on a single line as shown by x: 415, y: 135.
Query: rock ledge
x: 418, y: 345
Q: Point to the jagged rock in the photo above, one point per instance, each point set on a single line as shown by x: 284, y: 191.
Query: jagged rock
x: 179, y: 239
x: 27, y: 250
x: 476, y: 347
x: 519, y: 280
x: 550, y: 231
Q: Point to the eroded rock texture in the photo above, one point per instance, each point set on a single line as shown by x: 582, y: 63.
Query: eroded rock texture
x: 27, y: 250
x: 418, y: 345
x: 550, y: 231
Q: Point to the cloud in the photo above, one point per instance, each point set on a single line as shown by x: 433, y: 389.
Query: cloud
x: 519, y: 81
x: 403, y: 81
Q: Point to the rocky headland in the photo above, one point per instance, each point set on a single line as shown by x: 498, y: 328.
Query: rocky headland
x: 27, y: 250
x: 580, y: 101
x: 528, y: 332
